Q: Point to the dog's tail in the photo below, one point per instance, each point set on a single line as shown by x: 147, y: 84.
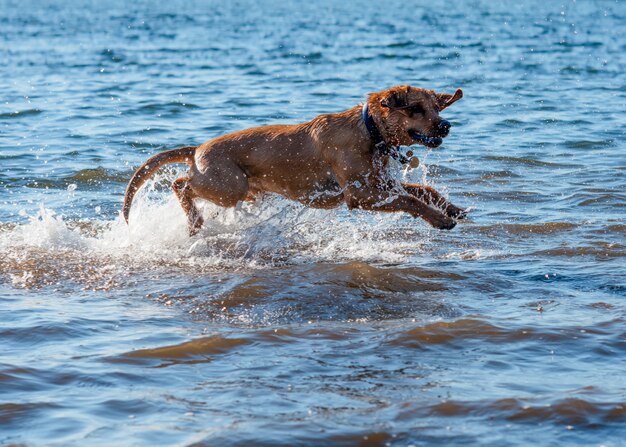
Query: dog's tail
x: 147, y: 170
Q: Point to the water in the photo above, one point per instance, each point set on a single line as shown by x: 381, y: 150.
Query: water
x: 281, y: 325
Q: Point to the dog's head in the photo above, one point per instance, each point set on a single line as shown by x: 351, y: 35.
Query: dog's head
x: 408, y: 115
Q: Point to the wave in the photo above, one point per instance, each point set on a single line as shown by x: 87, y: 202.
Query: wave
x: 460, y: 332
x: 195, y: 351
x: 82, y: 177
x: 21, y: 113
x: 570, y: 411
x: 522, y: 161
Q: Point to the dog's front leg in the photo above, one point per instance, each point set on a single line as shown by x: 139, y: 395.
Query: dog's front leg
x: 433, y: 198
x: 374, y: 199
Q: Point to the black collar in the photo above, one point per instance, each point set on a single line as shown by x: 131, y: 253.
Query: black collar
x: 372, y: 129
x: 377, y: 138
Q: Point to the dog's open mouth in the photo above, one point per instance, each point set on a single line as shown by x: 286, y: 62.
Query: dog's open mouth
x: 423, y: 139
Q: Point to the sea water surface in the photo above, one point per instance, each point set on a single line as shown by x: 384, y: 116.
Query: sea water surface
x: 282, y: 325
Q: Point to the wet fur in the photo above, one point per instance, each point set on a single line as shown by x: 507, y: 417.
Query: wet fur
x: 322, y: 163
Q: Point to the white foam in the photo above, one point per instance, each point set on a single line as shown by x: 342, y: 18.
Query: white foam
x: 273, y: 230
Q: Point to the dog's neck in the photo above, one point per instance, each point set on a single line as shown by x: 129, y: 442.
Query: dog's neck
x: 377, y: 138
x: 372, y: 129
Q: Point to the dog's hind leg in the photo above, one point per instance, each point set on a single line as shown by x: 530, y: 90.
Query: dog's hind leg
x: 185, y: 196
x: 222, y: 182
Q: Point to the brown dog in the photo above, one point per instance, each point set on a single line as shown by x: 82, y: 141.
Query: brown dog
x: 332, y: 159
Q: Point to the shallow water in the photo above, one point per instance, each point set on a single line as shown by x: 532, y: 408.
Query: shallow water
x: 281, y: 325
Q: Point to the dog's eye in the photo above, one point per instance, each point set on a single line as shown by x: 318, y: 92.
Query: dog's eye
x: 415, y: 110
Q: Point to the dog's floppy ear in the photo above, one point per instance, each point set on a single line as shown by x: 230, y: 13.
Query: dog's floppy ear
x: 446, y: 99
x: 393, y: 100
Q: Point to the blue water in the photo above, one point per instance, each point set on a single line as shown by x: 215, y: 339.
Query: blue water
x: 281, y: 325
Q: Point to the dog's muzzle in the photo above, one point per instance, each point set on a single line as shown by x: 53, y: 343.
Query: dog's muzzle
x: 443, y: 129
x: 426, y: 141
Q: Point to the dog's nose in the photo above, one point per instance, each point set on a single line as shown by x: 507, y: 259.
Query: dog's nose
x: 444, y: 127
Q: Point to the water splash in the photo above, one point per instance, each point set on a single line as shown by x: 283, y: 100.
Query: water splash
x: 272, y: 231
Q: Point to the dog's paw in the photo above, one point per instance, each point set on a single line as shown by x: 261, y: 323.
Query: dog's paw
x: 447, y: 224
x: 441, y: 221
x: 457, y: 213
